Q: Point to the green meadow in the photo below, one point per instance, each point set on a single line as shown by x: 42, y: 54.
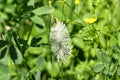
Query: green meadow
x: 85, y: 42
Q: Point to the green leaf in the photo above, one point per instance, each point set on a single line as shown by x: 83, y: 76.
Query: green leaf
x: 22, y: 41
x: 15, y: 54
x: 31, y: 72
x: 118, y: 38
x: 3, y: 52
x: 118, y: 71
x: 38, y: 74
x: 53, y: 69
x: 78, y: 42
x: 43, y: 10
x: 19, y: 54
x: 31, y: 2
x: 34, y: 50
x: 15, y: 36
x: 4, y: 72
x: 34, y: 41
x: 10, y: 8
x: 102, y: 40
x: 4, y: 77
x: 101, y: 55
x: 112, y: 68
x: 40, y: 62
x: 2, y: 43
x: 39, y: 26
x: 98, y: 67
x: 3, y: 69
x: 106, y: 69
x: 38, y: 20
x: 77, y: 22
x: 116, y: 56
x: 3, y: 17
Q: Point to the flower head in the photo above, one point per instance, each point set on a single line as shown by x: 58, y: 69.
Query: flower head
x: 76, y: 2
x: 91, y: 20
x: 8, y: 28
x: 50, y: 3
x: 60, y: 41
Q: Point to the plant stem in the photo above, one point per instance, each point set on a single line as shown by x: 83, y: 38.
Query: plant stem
x: 61, y: 70
x: 75, y: 13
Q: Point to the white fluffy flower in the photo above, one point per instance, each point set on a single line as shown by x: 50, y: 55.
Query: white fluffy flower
x: 60, y: 41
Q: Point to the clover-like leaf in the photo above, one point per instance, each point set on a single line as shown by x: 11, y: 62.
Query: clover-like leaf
x: 43, y: 10
x: 34, y: 41
x: 3, y: 52
x: 15, y: 54
x: 2, y: 43
x: 98, y: 67
x: 38, y: 20
x: 101, y: 55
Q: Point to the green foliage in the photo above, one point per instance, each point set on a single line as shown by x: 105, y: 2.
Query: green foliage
x: 4, y: 72
x: 43, y: 10
x: 25, y: 52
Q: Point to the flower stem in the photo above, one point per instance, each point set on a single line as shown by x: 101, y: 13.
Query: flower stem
x: 75, y: 13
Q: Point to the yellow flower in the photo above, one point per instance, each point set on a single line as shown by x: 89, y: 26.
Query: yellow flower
x: 77, y: 2
x: 99, y: 1
x: 50, y: 3
x: 91, y: 20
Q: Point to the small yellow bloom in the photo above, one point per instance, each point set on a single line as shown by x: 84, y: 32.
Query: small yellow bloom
x: 91, y: 20
x: 77, y: 2
x: 99, y: 1
x: 50, y: 3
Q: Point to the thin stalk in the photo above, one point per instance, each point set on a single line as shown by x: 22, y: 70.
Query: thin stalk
x: 23, y: 51
x: 114, y: 72
x: 29, y: 33
x: 63, y: 11
x: 61, y: 70
x: 75, y: 13
x: 49, y: 26
x: 51, y: 17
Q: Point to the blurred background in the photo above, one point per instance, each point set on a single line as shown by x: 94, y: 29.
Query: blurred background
x: 94, y: 27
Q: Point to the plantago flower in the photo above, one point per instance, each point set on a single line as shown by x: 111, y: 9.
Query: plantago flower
x: 91, y: 20
x: 60, y: 41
